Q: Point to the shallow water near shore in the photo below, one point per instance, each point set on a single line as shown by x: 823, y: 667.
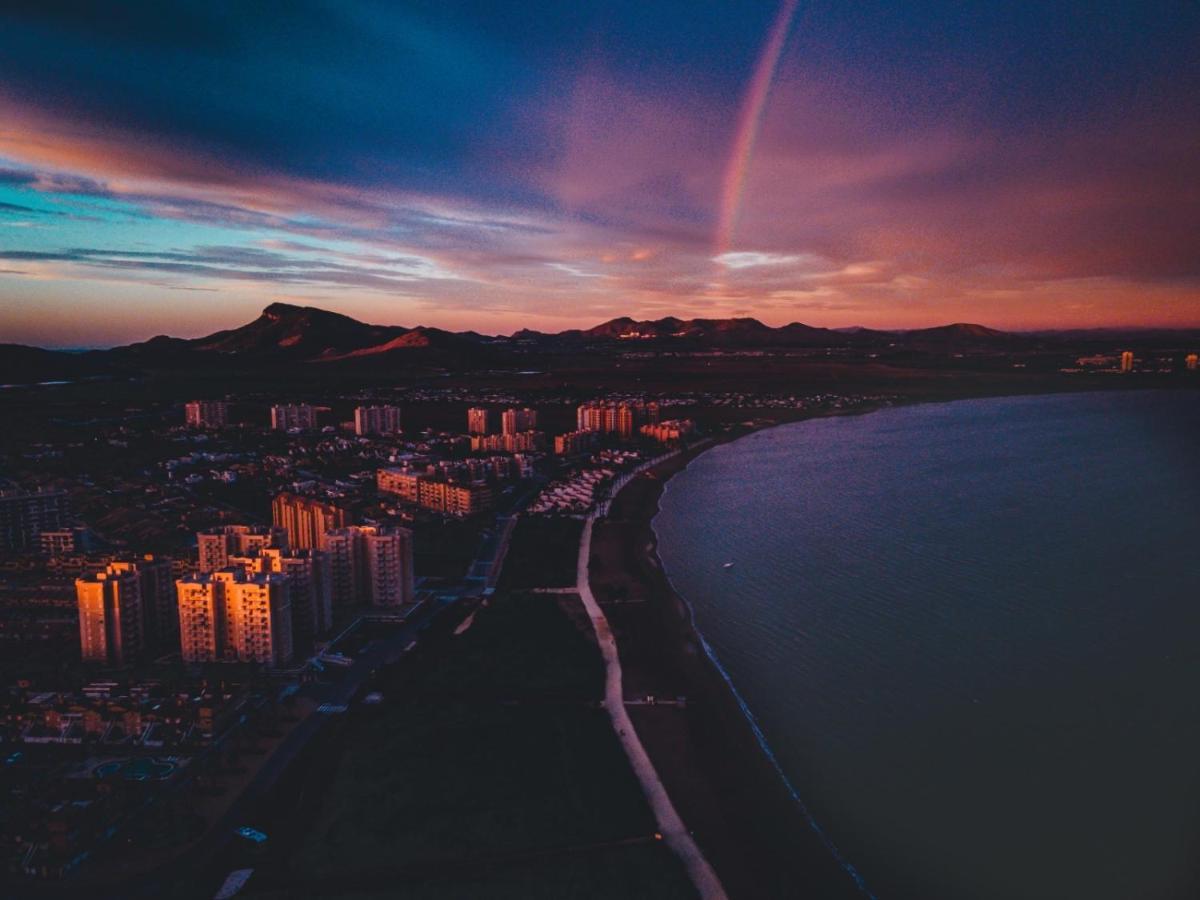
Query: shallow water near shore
x: 970, y: 633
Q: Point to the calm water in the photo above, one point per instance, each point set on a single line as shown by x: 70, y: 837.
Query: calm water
x: 971, y: 634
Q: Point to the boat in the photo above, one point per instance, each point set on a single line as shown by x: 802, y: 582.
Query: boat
x: 727, y: 565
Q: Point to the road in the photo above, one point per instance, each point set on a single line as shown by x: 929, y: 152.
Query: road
x: 674, y: 832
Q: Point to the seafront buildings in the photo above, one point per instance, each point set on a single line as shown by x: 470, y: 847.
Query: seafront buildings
x: 669, y: 431
x: 1127, y: 361
x: 573, y: 442
x: 1191, y: 361
x: 306, y: 520
x: 621, y: 419
x: 206, y: 414
x: 376, y: 420
x: 294, y: 416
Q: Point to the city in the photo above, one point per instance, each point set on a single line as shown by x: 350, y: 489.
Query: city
x: 541, y: 451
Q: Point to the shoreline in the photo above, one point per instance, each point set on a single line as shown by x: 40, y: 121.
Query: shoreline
x: 745, y: 813
x: 717, y: 766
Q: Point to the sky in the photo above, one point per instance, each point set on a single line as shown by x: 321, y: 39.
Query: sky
x: 175, y: 167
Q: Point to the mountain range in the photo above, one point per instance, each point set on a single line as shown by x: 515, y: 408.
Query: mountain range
x: 285, y: 333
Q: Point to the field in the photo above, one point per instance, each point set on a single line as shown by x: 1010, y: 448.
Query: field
x: 489, y: 770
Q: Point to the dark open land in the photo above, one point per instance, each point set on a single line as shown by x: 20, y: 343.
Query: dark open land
x: 489, y: 770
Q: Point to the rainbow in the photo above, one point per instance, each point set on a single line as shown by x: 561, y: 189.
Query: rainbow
x: 749, y: 121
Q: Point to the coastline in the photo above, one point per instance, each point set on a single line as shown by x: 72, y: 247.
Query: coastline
x: 713, y: 759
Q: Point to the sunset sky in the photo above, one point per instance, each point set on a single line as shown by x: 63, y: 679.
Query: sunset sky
x: 173, y: 169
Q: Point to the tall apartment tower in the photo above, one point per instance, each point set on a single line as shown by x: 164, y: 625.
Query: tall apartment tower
x: 376, y: 420
x: 608, y: 418
x: 110, y: 615
x: 26, y: 514
x: 286, y: 416
x: 1127, y: 361
x: 206, y: 414
x: 371, y: 564
x: 1191, y: 361
x: 479, y: 420
x: 156, y: 583
x: 258, y: 619
x: 518, y: 421
x: 306, y: 520
x: 201, y: 604
x: 311, y: 584
x: 215, y: 546
x: 235, y: 616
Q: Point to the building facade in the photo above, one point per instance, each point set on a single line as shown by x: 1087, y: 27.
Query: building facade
x: 371, y: 564
x: 215, y: 546
x: 516, y: 421
x: 479, y: 421
x: 110, y: 615
x: 206, y: 414
x: 24, y: 515
x: 432, y: 493
x: 369, y: 420
x: 289, y: 416
x: 306, y: 520
x: 235, y: 616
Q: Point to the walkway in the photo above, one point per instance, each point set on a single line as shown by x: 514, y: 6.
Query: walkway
x: 675, y: 833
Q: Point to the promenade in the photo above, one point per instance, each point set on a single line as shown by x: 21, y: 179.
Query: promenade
x: 674, y: 832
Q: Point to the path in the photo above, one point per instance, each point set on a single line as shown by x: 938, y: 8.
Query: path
x: 674, y: 832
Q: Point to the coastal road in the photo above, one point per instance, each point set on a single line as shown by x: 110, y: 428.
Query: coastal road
x: 674, y: 832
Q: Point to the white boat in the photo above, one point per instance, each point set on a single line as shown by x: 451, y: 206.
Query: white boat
x: 727, y: 565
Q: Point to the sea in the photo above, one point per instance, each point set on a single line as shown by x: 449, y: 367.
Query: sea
x: 969, y: 634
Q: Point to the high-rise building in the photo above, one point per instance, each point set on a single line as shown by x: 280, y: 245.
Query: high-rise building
x: 1127, y: 361
x: 574, y: 442
x: 289, y: 416
x: 310, y: 578
x: 610, y: 418
x: 258, y: 617
x: 231, y: 615
x: 156, y: 581
x: 517, y: 421
x: 306, y: 520
x: 376, y: 420
x: 110, y: 615
x: 215, y: 546
x: 670, y: 430
x: 371, y: 564
x: 24, y: 515
x: 206, y: 414
x: 479, y: 420
x: 201, y: 618
x: 1192, y: 360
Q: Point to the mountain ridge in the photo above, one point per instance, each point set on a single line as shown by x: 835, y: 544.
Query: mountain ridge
x: 288, y: 333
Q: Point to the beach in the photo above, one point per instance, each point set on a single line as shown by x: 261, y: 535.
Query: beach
x: 706, y: 751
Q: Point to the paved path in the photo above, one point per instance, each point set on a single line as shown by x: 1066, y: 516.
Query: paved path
x: 675, y: 833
